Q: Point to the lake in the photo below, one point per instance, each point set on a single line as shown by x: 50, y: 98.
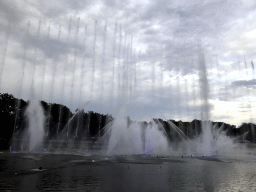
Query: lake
x: 70, y: 172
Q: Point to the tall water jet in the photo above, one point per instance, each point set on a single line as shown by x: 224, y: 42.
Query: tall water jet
x: 120, y: 141
x: 187, y: 100
x: 253, y: 72
x: 93, y: 68
x: 161, y: 71
x: 35, y: 113
x: 64, y: 81
x: 139, y: 75
x: 82, y: 80
x: 133, y: 82
x: 35, y: 63
x: 94, y: 58
x: 194, y: 101
x: 17, y: 113
x: 178, y: 95
x: 52, y: 85
x: 122, y: 72
x: 124, y: 136
x: 113, y: 67
x: 75, y: 62
x: 6, y: 42
x: 135, y: 75
x: 121, y: 75
x: 130, y: 67
x: 53, y: 81
x: 153, y: 76
x: 126, y: 71
x: 245, y: 65
x: 83, y: 67
x: 103, y: 61
x: 102, y: 70
x: 44, y: 63
x: 205, y: 110
x: 119, y: 60
x: 36, y: 132
x: 126, y: 74
x: 74, y: 69
x: 213, y: 140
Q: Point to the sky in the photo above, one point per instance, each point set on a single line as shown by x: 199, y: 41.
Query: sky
x: 144, y: 55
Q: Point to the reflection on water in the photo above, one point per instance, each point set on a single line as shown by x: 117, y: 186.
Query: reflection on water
x: 241, y: 178
x: 9, y: 185
x: 61, y: 180
x: 134, y: 173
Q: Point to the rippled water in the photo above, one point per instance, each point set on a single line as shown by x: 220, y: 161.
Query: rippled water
x: 126, y: 173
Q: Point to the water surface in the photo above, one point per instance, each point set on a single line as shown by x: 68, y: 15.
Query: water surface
x: 60, y: 172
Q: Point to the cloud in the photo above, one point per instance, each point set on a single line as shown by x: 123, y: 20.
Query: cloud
x: 160, y: 38
x: 10, y: 12
x: 244, y: 83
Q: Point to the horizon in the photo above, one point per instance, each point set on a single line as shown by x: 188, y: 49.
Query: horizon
x: 147, y: 121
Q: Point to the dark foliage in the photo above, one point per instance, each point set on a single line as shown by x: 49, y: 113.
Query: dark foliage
x: 61, y: 122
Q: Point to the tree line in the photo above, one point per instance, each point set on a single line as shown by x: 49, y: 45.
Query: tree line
x: 61, y: 123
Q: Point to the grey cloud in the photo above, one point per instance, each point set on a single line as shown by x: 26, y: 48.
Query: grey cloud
x: 52, y: 48
x: 53, y: 12
x: 244, y: 83
x: 10, y: 12
x: 188, y: 21
x: 56, y: 8
x: 168, y: 31
x: 118, y: 4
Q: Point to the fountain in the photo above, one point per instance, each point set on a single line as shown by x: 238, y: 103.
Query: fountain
x: 156, y: 141
x: 96, y: 98
x: 121, y: 137
x: 118, y: 136
x: 35, y: 132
